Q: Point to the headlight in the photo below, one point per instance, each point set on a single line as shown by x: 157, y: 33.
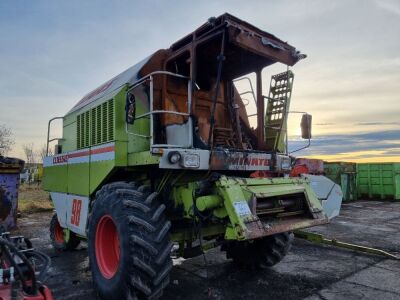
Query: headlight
x: 286, y: 163
x: 191, y: 161
x: 174, y: 157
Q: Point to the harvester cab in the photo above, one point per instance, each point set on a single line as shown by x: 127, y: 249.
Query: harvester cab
x: 166, y: 152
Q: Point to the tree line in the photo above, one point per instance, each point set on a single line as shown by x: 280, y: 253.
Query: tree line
x: 31, y: 153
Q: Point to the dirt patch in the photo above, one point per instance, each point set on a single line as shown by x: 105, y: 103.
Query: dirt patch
x: 32, y: 198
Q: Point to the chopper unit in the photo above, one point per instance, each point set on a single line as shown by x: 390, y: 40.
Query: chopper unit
x: 168, y: 153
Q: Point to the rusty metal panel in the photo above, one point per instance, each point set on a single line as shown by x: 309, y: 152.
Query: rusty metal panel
x: 263, y: 46
x: 243, y: 161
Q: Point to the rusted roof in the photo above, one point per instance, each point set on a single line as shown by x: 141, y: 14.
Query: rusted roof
x: 246, y: 36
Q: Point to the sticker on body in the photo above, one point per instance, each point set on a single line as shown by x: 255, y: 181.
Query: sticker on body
x: 242, y: 208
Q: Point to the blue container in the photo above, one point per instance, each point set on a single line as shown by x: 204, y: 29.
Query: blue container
x: 10, y: 169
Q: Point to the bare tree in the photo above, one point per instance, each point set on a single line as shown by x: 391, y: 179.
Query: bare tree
x: 6, y: 139
x: 29, y: 153
x: 42, y: 153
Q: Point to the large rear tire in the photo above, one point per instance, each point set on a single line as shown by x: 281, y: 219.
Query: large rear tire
x: 58, y: 236
x: 260, y: 253
x: 129, y: 246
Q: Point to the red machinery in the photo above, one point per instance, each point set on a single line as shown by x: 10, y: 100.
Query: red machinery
x: 22, y: 270
x: 307, y: 166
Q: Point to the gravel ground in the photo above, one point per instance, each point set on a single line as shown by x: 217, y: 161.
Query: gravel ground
x: 309, y: 271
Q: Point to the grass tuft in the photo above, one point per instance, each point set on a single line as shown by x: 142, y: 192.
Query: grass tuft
x: 32, y: 198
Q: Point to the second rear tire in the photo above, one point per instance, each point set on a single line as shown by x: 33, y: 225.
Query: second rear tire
x: 58, y: 236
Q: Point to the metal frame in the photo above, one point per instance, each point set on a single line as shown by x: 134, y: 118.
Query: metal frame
x: 48, y: 134
x: 150, y: 77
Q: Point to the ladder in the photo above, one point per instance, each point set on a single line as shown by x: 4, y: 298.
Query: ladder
x: 278, y: 102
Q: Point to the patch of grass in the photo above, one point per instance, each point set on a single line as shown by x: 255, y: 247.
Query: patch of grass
x: 32, y: 198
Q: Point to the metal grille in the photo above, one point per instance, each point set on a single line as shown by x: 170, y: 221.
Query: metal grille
x: 78, y: 132
x: 105, y: 121
x: 110, y: 120
x: 87, y: 123
x: 93, y: 133
x: 99, y: 125
x: 96, y: 126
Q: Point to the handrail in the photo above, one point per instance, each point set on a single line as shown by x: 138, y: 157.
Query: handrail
x: 149, y: 77
x: 162, y: 112
x: 48, y: 134
x: 251, y: 87
x: 247, y: 92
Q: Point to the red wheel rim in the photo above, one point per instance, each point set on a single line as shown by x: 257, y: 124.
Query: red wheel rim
x: 58, y: 233
x: 107, y: 247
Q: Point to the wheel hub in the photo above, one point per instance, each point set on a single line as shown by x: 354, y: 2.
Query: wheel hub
x: 59, y: 233
x: 107, y: 247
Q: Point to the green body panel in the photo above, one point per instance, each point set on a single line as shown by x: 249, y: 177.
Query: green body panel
x: 234, y: 197
x: 55, y: 179
x: 141, y: 126
x: 121, y: 156
x: 344, y: 174
x: 379, y: 180
x: 78, y: 179
x: 142, y: 158
x: 119, y: 119
x: 98, y: 172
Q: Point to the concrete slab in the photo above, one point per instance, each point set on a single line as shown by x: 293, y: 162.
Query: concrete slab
x: 384, y: 276
x: 351, y: 291
x: 368, y: 223
x: 323, y: 262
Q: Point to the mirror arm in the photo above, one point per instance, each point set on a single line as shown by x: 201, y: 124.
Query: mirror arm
x: 308, y: 145
x: 309, y: 140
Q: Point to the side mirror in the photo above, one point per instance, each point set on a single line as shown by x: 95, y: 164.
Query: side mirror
x: 306, y: 124
x: 130, y: 108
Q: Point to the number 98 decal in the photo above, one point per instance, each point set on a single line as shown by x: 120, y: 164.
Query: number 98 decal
x: 76, y: 212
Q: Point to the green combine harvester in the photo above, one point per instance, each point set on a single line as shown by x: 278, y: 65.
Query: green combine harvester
x: 168, y: 153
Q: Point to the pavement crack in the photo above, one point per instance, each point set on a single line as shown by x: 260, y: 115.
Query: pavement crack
x: 373, y: 288
x: 351, y: 274
x: 386, y: 269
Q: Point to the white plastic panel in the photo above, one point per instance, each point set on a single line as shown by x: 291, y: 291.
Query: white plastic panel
x: 77, y: 213
x: 60, y: 204
x: 329, y: 193
x: 72, y: 211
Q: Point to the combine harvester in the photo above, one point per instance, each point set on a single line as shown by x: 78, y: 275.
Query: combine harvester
x: 166, y: 153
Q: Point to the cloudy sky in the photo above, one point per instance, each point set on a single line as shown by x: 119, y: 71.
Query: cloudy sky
x: 54, y: 52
